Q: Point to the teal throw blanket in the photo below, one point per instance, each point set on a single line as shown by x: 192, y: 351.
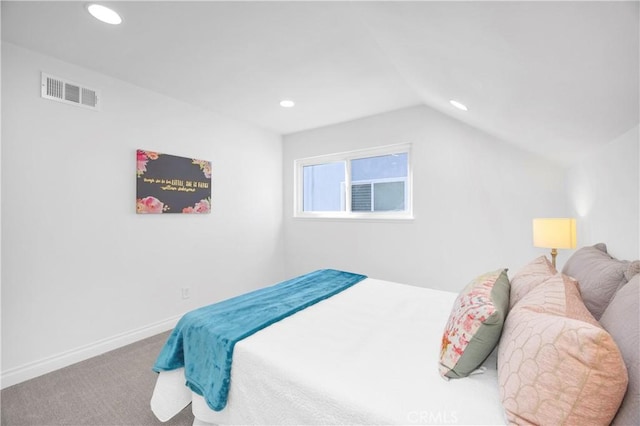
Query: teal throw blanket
x: 203, y: 339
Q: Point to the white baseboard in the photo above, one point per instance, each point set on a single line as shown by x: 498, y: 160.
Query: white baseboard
x: 46, y: 365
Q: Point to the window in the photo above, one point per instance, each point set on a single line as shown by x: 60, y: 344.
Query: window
x: 373, y: 183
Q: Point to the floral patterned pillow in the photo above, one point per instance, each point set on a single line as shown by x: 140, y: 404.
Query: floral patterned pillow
x: 475, y: 324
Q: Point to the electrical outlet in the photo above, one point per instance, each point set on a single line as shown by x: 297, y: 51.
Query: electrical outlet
x: 186, y: 292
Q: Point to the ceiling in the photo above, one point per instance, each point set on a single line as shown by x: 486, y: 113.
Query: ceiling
x: 556, y: 78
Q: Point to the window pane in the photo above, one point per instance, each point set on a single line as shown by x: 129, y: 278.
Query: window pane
x: 382, y: 167
x: 386, y: 177
x: 361, y: 198
x: 323, y: 187
x: 389, y: 196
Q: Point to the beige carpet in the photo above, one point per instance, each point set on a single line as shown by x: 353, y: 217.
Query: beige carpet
x: 111, y: 389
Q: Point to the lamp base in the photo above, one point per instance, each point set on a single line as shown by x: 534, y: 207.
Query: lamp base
x: 554, y: 253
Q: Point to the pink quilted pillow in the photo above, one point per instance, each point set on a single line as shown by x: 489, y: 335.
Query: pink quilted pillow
x: 531, y: 275
x: 556, y: 364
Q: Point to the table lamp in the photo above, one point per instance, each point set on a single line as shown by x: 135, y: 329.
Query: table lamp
x: 554, y: 233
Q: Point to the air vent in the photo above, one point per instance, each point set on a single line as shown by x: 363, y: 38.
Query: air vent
x: 61, y: 90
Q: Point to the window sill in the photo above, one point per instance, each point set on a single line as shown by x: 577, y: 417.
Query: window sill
x: 356, y: 218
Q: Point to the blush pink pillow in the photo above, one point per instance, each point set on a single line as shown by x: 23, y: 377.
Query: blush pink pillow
x: 556, y: 364
x: 530, y: 276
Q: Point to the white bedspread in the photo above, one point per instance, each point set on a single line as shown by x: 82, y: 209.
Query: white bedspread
x: 368, y: 355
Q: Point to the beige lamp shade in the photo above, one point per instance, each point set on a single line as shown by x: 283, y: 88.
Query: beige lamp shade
x: 557, y: 233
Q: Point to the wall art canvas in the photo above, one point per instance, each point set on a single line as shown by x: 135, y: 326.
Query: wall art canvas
x: 171, y: 184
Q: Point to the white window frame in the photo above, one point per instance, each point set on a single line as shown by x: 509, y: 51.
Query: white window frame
x: 298, y: 185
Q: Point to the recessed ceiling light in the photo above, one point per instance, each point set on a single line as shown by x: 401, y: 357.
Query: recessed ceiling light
x: 458, y: 105
x: 104, y: 14
x: 287, y: 103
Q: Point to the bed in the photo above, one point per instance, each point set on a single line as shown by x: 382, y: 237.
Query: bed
x: 370, y: 354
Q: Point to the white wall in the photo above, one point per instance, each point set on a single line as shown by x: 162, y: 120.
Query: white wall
x: 604, y: 193
x: 82, y: 273
x: 474, y: 199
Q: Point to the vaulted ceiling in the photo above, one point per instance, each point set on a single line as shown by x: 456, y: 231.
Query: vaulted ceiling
x: 556, y: 78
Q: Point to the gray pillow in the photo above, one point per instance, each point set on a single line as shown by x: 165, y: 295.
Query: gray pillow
x: 632, y: 270
x: 598, y: 274
x: 622, y: 320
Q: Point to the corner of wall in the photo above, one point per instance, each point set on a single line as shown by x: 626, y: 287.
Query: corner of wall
x: 603, y: 191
